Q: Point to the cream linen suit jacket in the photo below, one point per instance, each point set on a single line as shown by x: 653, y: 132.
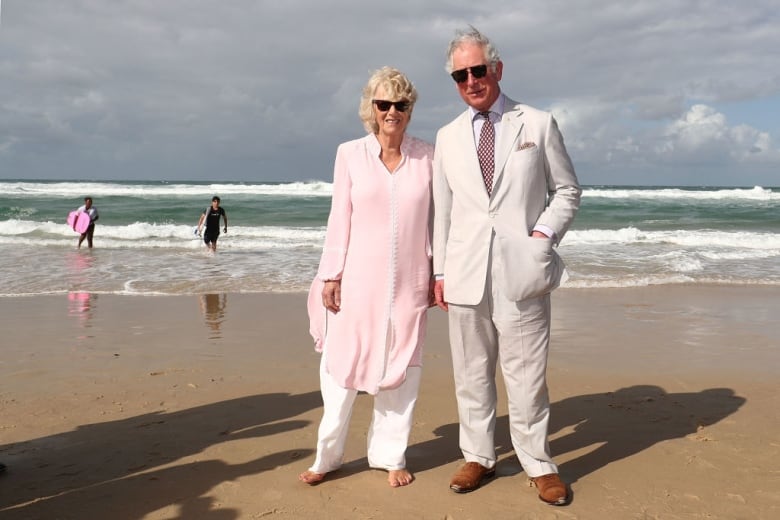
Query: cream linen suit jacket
x: 534, y: 183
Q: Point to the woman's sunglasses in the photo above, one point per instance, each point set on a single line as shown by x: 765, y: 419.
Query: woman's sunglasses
x: 384, y: 106
x: 478, y: 71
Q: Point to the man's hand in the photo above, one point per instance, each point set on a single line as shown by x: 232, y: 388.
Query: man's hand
x: 438, y: 295
x: 538, y: 234
x: 331, y: 295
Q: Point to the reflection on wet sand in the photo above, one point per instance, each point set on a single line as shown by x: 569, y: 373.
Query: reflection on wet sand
x: 80, y: 306
x: 80, y: 303
x: 79, y: 265
x: 213, y: 308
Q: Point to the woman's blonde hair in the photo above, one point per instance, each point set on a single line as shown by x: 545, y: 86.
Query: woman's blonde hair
x: 397, y: 88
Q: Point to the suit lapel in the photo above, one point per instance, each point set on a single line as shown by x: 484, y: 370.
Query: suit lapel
x: 511, y: 125
x: 470, y: 158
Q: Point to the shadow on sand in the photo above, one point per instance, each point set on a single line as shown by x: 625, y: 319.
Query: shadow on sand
x: 136, y: 474
x: 126, y: 469
x: 621, y: 423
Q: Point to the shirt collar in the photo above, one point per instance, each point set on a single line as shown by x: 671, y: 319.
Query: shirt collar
x: 496, y: 108
x: 375, y: 147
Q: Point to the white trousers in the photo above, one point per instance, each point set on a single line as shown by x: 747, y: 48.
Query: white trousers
x: 388, y: 434
x: 517, y: 335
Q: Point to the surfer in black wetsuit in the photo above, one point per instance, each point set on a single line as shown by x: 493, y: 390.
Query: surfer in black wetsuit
x: 211, y: 217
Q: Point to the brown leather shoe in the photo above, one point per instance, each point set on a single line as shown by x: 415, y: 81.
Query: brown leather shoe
x: 551, y: 489
x: 470, y: 476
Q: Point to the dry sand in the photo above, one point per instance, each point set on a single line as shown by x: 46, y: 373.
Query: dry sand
x: 665, y: 406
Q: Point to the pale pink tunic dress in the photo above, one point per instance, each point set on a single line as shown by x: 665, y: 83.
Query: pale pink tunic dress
x: 378, y: 243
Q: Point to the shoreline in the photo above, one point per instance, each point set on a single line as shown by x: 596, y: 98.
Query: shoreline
x: 194, y: 407
x: 569, y: 288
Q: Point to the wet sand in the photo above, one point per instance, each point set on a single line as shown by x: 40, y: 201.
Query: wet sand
x: 665, y: 405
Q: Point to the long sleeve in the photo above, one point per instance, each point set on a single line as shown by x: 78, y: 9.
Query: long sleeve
x: 334, y: 251
x: 337, y: 237
x: 563, y: 190
x: 442, y: 195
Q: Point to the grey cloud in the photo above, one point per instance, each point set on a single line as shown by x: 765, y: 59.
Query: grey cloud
x: 265, y: 90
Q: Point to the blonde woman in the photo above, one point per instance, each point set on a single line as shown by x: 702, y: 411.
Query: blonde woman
x: 368, y: 303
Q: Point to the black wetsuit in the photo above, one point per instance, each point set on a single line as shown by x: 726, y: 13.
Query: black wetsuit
x: 212, y: 224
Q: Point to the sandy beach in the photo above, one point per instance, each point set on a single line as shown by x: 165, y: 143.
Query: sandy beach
x: 665, y: 406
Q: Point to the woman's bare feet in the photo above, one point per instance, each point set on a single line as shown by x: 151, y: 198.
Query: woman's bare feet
x: 311, y: 478
x: 399, y: 477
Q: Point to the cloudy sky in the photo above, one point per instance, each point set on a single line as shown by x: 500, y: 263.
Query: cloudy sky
x: 655, y: 92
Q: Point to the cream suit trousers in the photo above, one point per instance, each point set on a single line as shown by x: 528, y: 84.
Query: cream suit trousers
x: 516, y: 334
x: 388, y: 434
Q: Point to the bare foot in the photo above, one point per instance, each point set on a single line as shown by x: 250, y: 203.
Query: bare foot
x: 399, y: 477
x: 311, y: 478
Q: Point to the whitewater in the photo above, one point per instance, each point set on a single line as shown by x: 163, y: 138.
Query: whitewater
x: 144, y: 241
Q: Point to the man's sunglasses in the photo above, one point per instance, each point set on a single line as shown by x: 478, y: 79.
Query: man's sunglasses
x: 384, y: 106
x: 478, y: 71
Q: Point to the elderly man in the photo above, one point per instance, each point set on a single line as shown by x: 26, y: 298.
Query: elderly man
x: 504, y: 193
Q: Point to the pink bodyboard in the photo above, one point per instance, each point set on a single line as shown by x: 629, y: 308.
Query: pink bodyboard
x: 79, y: 221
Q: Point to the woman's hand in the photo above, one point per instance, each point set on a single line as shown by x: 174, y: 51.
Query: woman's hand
x: 438, y: 295
x: 431, y: 293
x: 331, y: 295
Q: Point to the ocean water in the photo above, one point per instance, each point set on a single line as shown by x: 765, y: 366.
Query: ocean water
x: 144, y: 241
